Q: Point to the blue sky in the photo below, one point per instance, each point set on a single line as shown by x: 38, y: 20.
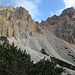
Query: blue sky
x: 41, y: 9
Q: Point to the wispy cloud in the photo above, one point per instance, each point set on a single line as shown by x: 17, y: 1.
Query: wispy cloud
x: 58, y: 12
x: 51, y: 14
x: 31, y: 6
x: 69, y: 3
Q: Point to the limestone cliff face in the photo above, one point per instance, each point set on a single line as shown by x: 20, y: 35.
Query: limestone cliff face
x: 63, y: 26
x: 13, y: 21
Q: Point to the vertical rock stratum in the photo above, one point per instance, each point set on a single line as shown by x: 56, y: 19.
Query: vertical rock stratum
x: 13, y: 21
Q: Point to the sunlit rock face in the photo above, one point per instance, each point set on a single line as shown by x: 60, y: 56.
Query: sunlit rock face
x: 13, y: 21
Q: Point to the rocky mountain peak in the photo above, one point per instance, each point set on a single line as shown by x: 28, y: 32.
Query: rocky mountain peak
x: 63, y: 26
x: 22, y: 10
x: 14, y: 21
x: 11, y: 13
x: 68, y: 12
x: 23, y: 14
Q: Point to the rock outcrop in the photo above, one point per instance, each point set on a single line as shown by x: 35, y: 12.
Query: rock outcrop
x: 63, y: 26
x: 14, y: 21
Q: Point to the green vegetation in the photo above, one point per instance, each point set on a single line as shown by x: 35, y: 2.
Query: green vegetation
x: 45, y: 67
x: 14, y: 61
x: 2, y: 38
x: 43, y: 51
x: 62, y: 63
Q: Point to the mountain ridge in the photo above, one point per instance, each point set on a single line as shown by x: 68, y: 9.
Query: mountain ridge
x: 55, y: 36
x: 63, y: 26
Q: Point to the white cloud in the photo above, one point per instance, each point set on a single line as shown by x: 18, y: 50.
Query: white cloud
x: 58, y: 12
x: 69, y: 3
x: 51, y: 14
x: 30, y: 5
